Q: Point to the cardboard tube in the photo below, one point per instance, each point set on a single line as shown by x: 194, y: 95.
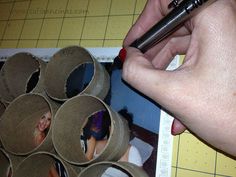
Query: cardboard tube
x: 41, y: 164
x: 97, y: 169
x: 2, y: 108
x: 21, y: 73
x: 69, y: 122
x: 9, y: 163
x: 19, y: 124
x: 64, y: 63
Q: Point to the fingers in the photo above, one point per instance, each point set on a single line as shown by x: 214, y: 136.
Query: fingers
x: 177, y: 127
x: 153, y: 12
x: 175, y: 46
x: 162, y: 86
x: 151, y: 53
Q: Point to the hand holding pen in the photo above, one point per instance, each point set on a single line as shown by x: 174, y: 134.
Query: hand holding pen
x: 165, y: 26
x: 199, y: 94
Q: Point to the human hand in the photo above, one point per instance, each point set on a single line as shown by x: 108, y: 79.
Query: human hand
x: 201, y: 92
x: 153, y: 12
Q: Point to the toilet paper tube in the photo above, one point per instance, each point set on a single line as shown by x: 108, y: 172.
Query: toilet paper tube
x: 9, y: 163
x: 41, y: 164
x: 110, y: 169
x: 2, y: 108
x: 21, y: 130
x: 21, y: 73
x: 64, y: 63
x: 69, y: 122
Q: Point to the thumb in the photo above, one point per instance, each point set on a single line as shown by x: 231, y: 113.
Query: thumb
x: 164, y: 87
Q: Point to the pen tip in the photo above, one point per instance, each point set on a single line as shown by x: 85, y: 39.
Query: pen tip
x: 122, y: 55
x: 117, y: 63
x: 120, y: 59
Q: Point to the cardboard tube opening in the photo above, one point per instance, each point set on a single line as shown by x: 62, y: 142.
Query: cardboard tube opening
x: 2, y: 109
x: 21, y: 73
x: 79, y: 79
x: 26, y: 125
x: 113, y: 169
x: 42, y: 164
x: 9, y: 163
x: 68, y: 69
x: 70, y: 121
x: 6, y: 168
x: 33, y: 81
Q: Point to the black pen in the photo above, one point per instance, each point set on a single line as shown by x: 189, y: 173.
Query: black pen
x: 166, y: 26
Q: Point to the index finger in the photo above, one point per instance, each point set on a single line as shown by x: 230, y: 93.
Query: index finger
x: 154, y: 10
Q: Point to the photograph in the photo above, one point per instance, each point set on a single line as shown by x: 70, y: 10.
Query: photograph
x: 42, y: 128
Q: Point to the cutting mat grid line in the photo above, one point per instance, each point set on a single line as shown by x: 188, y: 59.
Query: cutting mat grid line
x: 8, y: 18
x: 63, y: 19
x: 24, y: 25
x: 200, y: 172
x: 84, y: 20
x: 177, y: 158
x: 41, y: 27
x: 61, y: 39
x: 191, y: 155
x: 215, y: 163
x: 21, y: 31
x: 2, y: 2
x: 176, y: 167
x: 108, y: 17
x: 90, y: 16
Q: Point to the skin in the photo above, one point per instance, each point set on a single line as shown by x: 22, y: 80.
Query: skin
x: 9, y: 172
x: 44, y: 121
x: 53, y: 172
x: 42, y: 125
x: 99, y: 146
x: 91, y: 148
x: 201, y: 93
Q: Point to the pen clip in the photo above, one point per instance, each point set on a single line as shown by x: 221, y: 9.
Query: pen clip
x: 173, y: 4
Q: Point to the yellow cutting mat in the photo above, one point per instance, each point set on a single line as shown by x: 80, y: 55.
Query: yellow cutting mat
x: 98, y: 23
x: 59, y: 23
x: 192, y: 158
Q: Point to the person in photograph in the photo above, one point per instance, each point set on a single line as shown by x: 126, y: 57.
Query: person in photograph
x: 98, y: 125
x: 42, y: 128
x: 40, y: 133
x: 9, y: 171
x: 97, y: 128
x: 95, y: 137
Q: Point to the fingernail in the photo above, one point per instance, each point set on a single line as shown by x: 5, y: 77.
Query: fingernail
x: 122, y: 55
x: 172, y: 128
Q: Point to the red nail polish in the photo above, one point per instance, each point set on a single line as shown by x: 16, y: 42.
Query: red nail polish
x: 172, y: 128
x: 122, y: 55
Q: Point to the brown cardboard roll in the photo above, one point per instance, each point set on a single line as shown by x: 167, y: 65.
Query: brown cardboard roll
x: 113, y: 169
x: 41, y: 164
x: 69, y: 123
x: 69, y: 65
x: 9, y: 163
x: 25, y: 126
x: 2, y: 108
x: 21, y: 73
